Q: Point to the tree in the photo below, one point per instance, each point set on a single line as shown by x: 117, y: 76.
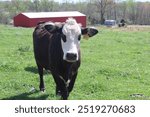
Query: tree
x: 131, y: 7
x: 91, y: 12
x: 47, y: 5
x: 102, y: 6
x: 96, y: 10
x: 123, y: 9
x: 36, y: 5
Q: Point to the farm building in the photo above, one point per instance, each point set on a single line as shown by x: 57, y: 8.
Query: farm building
x: 32, y: 18
x: 110, y: 23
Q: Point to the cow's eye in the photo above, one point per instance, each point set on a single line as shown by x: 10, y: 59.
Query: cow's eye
x: 79, y: 37
x: 64, y: 38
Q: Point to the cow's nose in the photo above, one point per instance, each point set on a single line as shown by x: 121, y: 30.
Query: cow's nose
x: 71, y: 56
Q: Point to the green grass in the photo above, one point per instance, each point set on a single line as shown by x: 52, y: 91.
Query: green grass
x: 115, y: 66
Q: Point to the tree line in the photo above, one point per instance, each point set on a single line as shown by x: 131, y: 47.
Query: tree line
x: 97, y: 11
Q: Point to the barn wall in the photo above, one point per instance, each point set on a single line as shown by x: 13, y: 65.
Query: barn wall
x: 80, y: 19
x: 21, y: 20
x: 24, y: 21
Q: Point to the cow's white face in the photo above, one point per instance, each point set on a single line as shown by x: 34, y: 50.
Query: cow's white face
x: 71, y: 34
x: 70, y: 37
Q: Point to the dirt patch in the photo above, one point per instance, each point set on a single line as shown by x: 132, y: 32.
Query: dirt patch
x: 133, y: 28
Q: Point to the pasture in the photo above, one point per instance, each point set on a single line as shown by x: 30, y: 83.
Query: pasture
x: 115, y: 66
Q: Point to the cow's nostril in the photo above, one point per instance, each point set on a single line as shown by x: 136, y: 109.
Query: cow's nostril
x: 71, y: 56
x: 74, y: 55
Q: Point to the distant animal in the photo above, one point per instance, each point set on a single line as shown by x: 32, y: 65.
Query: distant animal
x: 57, y: 48
x: 122, y: 23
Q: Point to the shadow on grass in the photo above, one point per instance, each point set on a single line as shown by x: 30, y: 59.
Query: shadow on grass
x: 34, y: 70
x: 31, y: 69
x: 25, y: 96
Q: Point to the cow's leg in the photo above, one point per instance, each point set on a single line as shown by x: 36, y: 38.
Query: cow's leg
x: 40, y: 70
x: 71, y: 84
x: 61, y: 86
x: 58, y: 93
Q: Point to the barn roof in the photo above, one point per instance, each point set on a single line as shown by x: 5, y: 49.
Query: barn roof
x: 53, y: 14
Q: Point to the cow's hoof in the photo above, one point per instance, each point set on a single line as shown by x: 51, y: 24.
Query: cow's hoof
x: 58, y: 93
x: 42, y: 90
x: 64, y: 98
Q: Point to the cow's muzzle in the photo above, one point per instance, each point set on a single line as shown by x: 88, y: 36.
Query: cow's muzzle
x: 71, y: 57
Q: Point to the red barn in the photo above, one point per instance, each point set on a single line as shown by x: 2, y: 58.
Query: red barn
x: 31, y: 19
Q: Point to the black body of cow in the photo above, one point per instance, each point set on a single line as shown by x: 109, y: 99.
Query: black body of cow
x: 49, y: 55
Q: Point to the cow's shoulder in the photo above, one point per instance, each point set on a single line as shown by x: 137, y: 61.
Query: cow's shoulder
x: 41, y: 32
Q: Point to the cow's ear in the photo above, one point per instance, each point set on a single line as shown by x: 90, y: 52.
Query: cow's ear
x: 89, y: 32
x: 50, y: 26
x: 53, y: 27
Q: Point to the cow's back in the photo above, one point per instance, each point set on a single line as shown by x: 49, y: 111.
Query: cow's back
x: 41, y: 45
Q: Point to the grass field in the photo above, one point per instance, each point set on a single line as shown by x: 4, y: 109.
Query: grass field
x: 115, y: 66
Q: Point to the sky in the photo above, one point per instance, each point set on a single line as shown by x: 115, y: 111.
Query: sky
x: 143, y: 0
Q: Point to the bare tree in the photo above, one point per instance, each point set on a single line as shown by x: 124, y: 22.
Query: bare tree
x: 96, y: 10
x: 102, y: 6
x: 123, y: 9
x: 47, y: 5
x: 131, y: 7
x: 36, y: 5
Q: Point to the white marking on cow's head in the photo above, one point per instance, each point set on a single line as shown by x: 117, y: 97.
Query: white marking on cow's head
x: 71, y: 34
x: 70, y: 37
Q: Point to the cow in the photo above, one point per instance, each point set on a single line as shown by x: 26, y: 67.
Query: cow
x: 122, y: 23
x: 57, y: 49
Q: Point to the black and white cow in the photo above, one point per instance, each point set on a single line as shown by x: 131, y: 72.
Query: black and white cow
x: 57, y: 48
